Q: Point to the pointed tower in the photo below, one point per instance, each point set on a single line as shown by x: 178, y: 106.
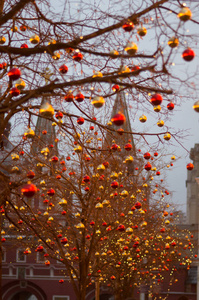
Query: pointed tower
x: 121, y: 106
x: 44, y: 135
x: 121, y: 139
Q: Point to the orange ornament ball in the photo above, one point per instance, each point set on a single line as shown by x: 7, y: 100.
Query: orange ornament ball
x: 190, y: 166
x: 128, y: 26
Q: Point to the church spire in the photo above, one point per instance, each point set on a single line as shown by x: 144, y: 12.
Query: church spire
x: 44, y: 134
x: 44, y: 131
x: 120, y: 105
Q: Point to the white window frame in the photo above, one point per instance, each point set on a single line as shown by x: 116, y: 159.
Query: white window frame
x: 38, y: 255
x: 58, y: 297
x: 17, y: 258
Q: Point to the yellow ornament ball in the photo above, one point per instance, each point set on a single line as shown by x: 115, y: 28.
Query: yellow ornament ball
x: 185, y: 14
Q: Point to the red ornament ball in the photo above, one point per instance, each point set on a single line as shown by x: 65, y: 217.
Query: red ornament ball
x: 148, y: 166
x: 69, y: 97
x: 128, y: 147
x: 170, y: 106
x: 78, y: 57
x: 79, y: 97
x: 188, y: 54
x: 51, y: 192
x: 30, y: 174
x: 14, y: 92
x: 14, y: 74
x: 29, y: 190
x: 24, y: 46
x: 118, y: 119
x: 114, y: 184
x: 63, y: 69
x: 147, y: 155
x: 80, y: 120
x: 115, y: 88
x: 128, y: 26
x: 156, y: 99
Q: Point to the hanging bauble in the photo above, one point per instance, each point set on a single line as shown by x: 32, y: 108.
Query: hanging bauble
x: 54, y: 159
x: 143, y: 119
x: 196, y: 106
x: 29, y: 190
x: 148, y: 166
x: 45, y: 151
x: 128, y: 160
x: 59, y: 115
x: 34, y: 39
x: 188, y: 54
x: 157, y: 108
x: 23, y: 28
x: 56, y: 56
x: 79, y: 97
x: 114, y: 184
x: 63, y: 69
x: 63, y: 202
x: 30, y: 175
x: 15, y: 156
x: 14, y: 74
x: 98, y: 102
x: 185, y: 14
x: 167, y: 136
x: 138, y: 205
x: 147, y: 155
x: 86, y: 178
x: 51, y: 192
x: 142, y: 31
x: 156, y: 99
x: 14, y: 92
x: 190, y: 166
x: 118, y: 119
x: 24, y: 46
x: 113, y: 53
x: 46, y: 110
x: 29, y: 133
x: 160, y: 123
x: 115, y: 88
x: 69, y: 97
x: 173, y: 42
x: 80, y: 121
x: 131, y: 48
x: 78, y: 149
x: 128, y: 147
x: 2, y: 40
x: 20, y: 84
x: 77, y: 56
x: 128, y: 26
x: 170, y: 106
x: 97, y: 74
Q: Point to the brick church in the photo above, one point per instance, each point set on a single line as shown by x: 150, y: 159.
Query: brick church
x: 28, y: 278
